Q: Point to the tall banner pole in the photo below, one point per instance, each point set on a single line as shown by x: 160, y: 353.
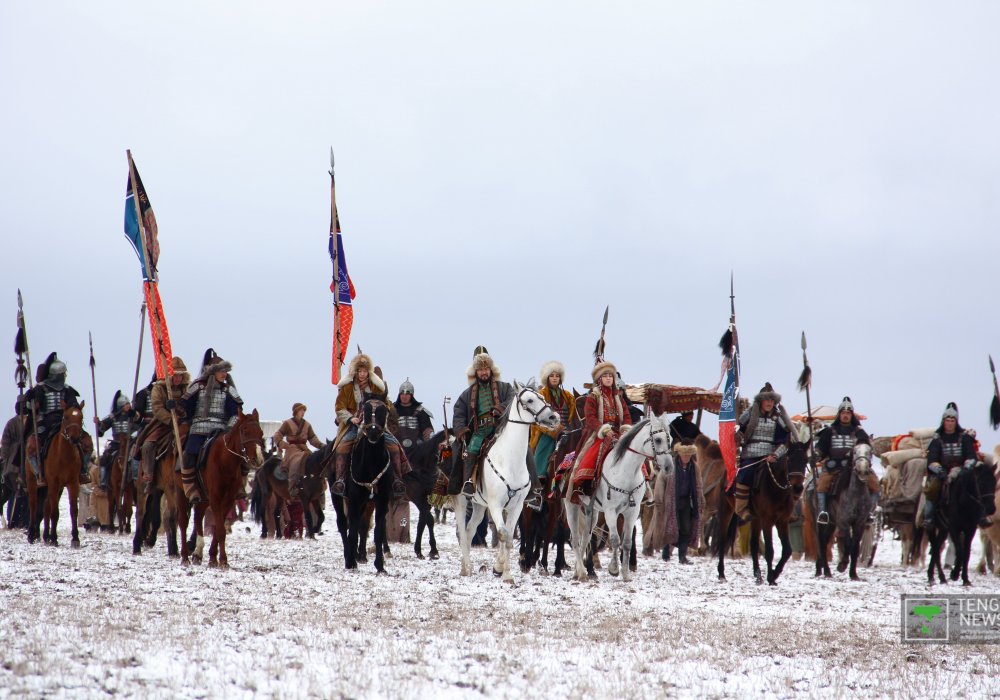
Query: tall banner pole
x: 23, y: 331
x: 93, y: 386
x: 335, y: 253
x: 805, y: 384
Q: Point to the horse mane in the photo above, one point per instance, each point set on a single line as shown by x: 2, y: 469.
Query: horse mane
x: 627, y: 438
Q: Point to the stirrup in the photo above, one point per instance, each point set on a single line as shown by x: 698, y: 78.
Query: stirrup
x: 823, y: 518
x: 468, y: 488
x: 339, y: 487
x: 533, y: 501
x: 398, y: 488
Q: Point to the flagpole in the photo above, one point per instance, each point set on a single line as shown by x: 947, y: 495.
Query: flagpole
x: 805, y: 383
x: 335, y: 254
x: 93, y: 386
x: 31, y: 386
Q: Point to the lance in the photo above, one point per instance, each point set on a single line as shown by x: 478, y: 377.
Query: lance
x: 22, y: 331
x: 338, y: 349
x: 93, y: 386
x: 126, y: 467
x: 805, y: 383
x: 995, y: 405
x: 446, y: 451
x: 599, y: 348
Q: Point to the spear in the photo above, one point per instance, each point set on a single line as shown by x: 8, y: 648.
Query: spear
x: 446, y: 452
x: 995, y: 405
x: 22, y: 332
x: 93, y: 385
x: 599, y: 348
x: 805, y: 383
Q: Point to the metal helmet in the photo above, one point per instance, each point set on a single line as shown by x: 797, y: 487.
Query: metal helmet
x: 57, y: 368
x: 406, y: 387
x: 120, y: 400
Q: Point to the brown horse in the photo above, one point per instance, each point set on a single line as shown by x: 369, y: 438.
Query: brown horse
x: 161, y: 501
x: 712, y: 470
x: 62, y: 470
x: 772, y: 502
x: 311, y: 489
x: 226, y: 466
x: 121, y: 495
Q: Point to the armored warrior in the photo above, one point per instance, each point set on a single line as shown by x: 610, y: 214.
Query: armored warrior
x: 835, y: 450
x: 51, y: 396
x: 210, y: 404
x: 292, y: 437
x: 477, y: 411
x: 763, y: 434
x: 542, y: 440
x: 605, y: 419
x: 951, y: 448
x: 361, y: 384
x: 158, y: 435
x: 119, y: 422
x: 415, y: 424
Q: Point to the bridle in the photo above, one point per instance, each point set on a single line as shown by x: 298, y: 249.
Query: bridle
x: 534, y: 414
x: 650, y: 440
x: 242, y: 454
x: 370, y: 485
x: 64, y: 428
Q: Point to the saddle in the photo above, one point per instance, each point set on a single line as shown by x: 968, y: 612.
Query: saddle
x: 203, y: 453
x: 840, y: 481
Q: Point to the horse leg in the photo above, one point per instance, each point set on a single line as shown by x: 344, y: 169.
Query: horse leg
x: 854, y: 538
x: 183, y: 515
x: 32, y: 514
x: 755, y: 551
x: 74, y: 506
x: 786, y: 551
x: 628, y: 543
x: 429, y: 519
x: 219, y: 519
x: 464, y: 536
x: 504, y: 536
x: 769, y: 552
x: 380, y: 535
x: 353, y: 536
x: 969, y: 535
x: 171, y: 528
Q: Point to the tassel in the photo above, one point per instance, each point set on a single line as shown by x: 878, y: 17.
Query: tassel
x: 599, y: 350
x: 20, y: 344
x: 995, y: 412
x: 207, y: 359
x: 726, y: 344
x: 805, y: 379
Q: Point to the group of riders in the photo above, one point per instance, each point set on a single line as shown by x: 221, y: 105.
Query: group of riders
x: 177, y: 412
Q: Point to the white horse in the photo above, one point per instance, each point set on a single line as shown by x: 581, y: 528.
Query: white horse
x: 504, y: 480
x: 618, y: 492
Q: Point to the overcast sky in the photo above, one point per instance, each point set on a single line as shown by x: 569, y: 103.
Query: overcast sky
x: 504, y: 171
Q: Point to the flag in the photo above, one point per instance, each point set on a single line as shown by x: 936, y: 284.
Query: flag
x: 727, y: 414
x: 341, y: 287
x: 141, y: 231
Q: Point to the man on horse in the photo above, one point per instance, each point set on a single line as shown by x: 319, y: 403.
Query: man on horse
x: 951, y: 447
x: 605, y: 419
x: 683, y: 429
x: 119, y: 422
x: 415, y: 424
x: 292, y: 437
x: 763, y: 435
x: 158, y: 434
x: 542, y: 440
x: 835, y: 450
x: 210, y: 404
x: 360, y: 384
x: 474, y: 420
x: 51, y: 396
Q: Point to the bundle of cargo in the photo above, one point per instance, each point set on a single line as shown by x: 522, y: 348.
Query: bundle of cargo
x: 668, y: 398
x: 905, y: 465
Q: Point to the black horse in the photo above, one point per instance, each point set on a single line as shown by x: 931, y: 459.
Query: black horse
x: 850, y: 504
x: 548, y: 525
x: 968, y: 503
x: 369, y: 482
x: 425, y: 462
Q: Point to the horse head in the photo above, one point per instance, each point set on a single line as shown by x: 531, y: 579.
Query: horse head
x: 797, y: 458
x: 72, y: 422
x: 862, y: 461
x: 530, y: 404
x: 248, y: 431
x: 375, y: 417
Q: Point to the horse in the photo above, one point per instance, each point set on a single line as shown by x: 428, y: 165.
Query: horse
x: 420, y: 482
x: 311, y: 488
x: 712, y: 470
x: 62, y: 471
x: 121, y: 494
x: 548, y: 526
x: 615, y: 494
x: 151, y: 507
x: 369, y: 482
x: 967, y: 504
x: 225, y: 466
x: 500, y: 489
x: 849, y: 506
x: 772, y: 500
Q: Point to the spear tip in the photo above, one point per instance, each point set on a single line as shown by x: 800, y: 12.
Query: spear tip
x: 992, y: 367
x: 606, y: 310
x: 803, y: 340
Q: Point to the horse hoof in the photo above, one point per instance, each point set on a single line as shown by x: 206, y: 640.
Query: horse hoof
x: 381, y: 572
x: 612, y: 573
x: 842, y: 567
x: 212, y: 564
x: 75, y: 544
x: 855, y: 577
x: 185, y: 561
x: 434, y: 555
x: 419, y: 555
x: 966, y: 583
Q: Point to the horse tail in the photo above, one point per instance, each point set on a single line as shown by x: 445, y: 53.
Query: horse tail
x: 258, y: 498
x: 725, y: 537
x: 915, y: 544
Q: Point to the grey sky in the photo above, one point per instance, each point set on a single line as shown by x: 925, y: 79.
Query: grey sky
x: 505, y: 170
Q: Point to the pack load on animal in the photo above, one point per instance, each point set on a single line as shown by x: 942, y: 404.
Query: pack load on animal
x: 904, y: 458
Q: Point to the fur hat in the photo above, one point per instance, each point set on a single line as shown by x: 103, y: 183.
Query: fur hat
x: 950, y: 411
x: 216, y: 364
x: 603, y: 368
x: 177, y: 364
x: 550, y: 368
x: 362, y: 361
x: 846, y: 405
x: 296, y: 406
x: 481, y: 359
x: 685, y: 450
x: 767, y: 392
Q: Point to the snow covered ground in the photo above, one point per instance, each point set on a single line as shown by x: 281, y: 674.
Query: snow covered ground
x: 288, y: 620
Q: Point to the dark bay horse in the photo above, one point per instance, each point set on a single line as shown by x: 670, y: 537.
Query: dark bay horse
x: 425, y: 461
x: 548, y: 525
x: 160, y: 501
x: 228, y: 460
x: 311, y: 488
x: 369, y: 482
x: 121, y: 494
x: 849, y: 505
x: 62, y: 471
x: 772, y: 502
x: 968, y: 504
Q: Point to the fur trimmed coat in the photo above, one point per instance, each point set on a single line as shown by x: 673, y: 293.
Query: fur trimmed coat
x: 537, y: 431
x: 663, y: 527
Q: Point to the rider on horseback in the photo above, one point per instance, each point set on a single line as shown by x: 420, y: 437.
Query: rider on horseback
x: 211, y: 404
x: 414, y: 419
x: 542, y: 440
x: 477, y: 411
x: 158, y: 435
x: 360, y: 384
x: 292, y: 436
x: 51, y: 396
x: 835, y: 450
x: 951, y: 447
x: 119, y: 422
x: 763, y: 434
x: 605, y: 419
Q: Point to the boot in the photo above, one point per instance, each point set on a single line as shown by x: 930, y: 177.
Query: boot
x: 398, y: 488
x: 823, y: 518
x: 341, y: 466
x: 682, y: 552
x: 39, y: 477
x: 742, y: 507
x: 293, y: 486
x: 190, y: 479
x: 534, y: 499
x: 148, y: 467
x: 105, y: 475
x: 468, y: 464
